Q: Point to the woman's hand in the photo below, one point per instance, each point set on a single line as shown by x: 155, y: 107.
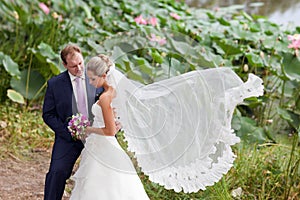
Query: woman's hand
x: 88, y: 130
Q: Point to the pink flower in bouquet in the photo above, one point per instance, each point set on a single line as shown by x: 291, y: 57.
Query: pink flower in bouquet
x: 44, y: 8
x: 77, y: 125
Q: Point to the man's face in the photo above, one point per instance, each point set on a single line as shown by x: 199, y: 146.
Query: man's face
x: 75, y: 64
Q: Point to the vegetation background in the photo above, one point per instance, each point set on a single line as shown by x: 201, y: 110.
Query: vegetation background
x: 151, y: 41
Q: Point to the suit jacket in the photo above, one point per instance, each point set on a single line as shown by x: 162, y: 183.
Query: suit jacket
x: 59, y: 105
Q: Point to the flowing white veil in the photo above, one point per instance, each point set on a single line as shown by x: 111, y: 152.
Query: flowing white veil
x: 180, y: 128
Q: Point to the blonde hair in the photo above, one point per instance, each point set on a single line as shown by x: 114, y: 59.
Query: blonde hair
x: 99, y: 65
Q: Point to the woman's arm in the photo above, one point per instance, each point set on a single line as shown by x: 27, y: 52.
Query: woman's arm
x: 108, y: 117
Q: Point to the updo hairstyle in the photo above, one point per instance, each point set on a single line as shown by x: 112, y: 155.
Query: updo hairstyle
x: 99, y: 65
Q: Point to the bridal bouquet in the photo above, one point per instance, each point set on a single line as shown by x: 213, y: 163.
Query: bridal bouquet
x: 77, y: 125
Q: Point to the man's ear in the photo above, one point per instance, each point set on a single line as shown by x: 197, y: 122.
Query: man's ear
x: 64, y: 64
x: 104, y: 75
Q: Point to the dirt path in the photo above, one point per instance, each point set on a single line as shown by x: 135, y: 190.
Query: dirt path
x: 24, y: 179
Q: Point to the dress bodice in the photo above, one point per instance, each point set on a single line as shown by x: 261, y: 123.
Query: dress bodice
x: 98, y: 117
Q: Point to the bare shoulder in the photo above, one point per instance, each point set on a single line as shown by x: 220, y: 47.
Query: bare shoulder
x: 106, y: 98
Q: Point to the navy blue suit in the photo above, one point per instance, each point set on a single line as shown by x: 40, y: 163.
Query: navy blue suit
x: 59, y: 105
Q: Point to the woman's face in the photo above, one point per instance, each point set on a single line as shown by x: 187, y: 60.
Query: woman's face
x: 94, y: 80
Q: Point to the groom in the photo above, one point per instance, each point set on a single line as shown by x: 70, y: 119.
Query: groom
x: 61, y: 101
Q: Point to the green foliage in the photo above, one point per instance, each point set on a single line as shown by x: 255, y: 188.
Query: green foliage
x: 268, y: 171
x: 22, y: 130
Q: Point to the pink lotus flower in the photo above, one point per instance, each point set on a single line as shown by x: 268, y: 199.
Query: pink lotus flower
x: 295, y: 41
x: 140, y: 20
x: 44, y: 8
x: 175, y: 16
x: 294, y: 37
x: 153, y: 21
x: 295, y: 44
x: 154, y: 38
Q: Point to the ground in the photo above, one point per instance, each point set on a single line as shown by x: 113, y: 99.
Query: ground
x: 22, y: 179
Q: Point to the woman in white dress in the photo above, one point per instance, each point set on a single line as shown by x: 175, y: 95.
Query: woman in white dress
x: 179, y: 130
x: 105, y: 172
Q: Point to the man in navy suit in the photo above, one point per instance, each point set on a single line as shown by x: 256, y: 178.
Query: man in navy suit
x: 59, y: 105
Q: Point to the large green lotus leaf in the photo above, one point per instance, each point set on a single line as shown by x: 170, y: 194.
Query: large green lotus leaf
x: 273, y: 43
x: 143, y: 65
x: 248, y: 131
x: 173, y: 67
x: 135, y: 75
x: 118, y: 55
x: 46, y: 55
x: 194, y: 55
x: 98, y: 48
x: 28, y: 85
x: 85, y: 7
x: 224, y: 21
x: 183, y: 48
x: 228, y: 46
x: 15, y: 96
x: 157, y: 57
x: 269, y: 28
x: 291, y: 66
x: 9, y: 65
x: 254, y: 59
x: 291, y: 117
x: 240, y: 33
x: 46, y: 51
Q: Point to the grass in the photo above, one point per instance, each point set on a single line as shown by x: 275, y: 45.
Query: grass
x: 265, y: 171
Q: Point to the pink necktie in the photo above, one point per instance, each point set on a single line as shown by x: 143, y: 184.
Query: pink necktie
x: 81, y: 102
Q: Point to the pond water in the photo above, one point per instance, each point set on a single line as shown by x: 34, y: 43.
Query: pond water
x: 282, y: 12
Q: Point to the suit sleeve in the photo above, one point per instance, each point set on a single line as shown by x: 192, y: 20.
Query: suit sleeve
x: 51, y: 116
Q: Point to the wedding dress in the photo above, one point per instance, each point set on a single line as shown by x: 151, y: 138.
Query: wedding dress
x: 179, y: 129
x: 105, y: 171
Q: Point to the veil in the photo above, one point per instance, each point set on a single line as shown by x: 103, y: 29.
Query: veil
x: 180, y: 128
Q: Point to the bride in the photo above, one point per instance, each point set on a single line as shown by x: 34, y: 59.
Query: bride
x: 179, y: 130
x: 105, y: 171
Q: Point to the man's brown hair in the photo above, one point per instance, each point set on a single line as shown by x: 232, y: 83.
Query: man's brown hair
x: 69, y: 49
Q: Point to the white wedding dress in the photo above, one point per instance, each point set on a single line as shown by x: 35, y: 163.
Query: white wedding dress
x: 105, y: 171
x: 179, y: 130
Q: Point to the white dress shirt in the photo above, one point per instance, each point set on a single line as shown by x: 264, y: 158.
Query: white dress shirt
x: 72, y: 77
